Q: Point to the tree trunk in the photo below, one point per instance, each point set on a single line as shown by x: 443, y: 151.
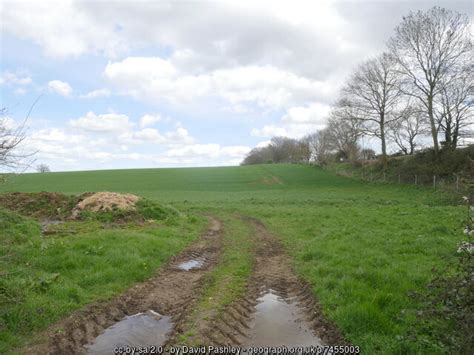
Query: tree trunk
x: 382, y: 135
x: 454, y: 141
x: 434, y: 131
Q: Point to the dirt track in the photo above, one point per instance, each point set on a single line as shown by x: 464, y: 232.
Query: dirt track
x: 172, y: 292
x: 272, y: 271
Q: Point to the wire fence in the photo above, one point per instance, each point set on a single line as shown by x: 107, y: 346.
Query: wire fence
x: 460, y: 182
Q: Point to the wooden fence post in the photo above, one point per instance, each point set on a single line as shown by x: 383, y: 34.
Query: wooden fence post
x: 416, y: 179
x: 434, y: 181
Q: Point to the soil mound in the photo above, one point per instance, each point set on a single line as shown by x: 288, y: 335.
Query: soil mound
x: 42, y: 205
x: 105, y: 201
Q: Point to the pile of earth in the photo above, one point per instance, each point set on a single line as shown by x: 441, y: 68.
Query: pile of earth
x: 40, y: 205
x: 101, y: 206
x: 105, y: 202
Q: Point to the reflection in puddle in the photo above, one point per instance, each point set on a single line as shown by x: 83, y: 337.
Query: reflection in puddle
x: 277, y: 322
x: 142, y: 329
x: 191, y: 264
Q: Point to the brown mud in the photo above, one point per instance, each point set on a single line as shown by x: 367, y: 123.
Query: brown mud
x: 277, y: 308
x: 172, y: 293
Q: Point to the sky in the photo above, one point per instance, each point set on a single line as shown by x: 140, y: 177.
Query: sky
x: 144, y: 84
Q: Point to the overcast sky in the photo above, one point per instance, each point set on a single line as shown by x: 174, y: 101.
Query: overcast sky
x: 181, y: 83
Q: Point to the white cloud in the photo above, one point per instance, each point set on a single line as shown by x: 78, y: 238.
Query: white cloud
x: 314, y: 113
x: 286, y: 130
x: 269, y: 131
x: 263, y: 144
x: 103, y: 123
x: 148, y: 134
x: 20, y: 91
x: 154, y: 78
x: 61, y: 28
x: 208, y: 151
x: 265, y: 86
x: 235, y: 151
x: 15, y: 78
x: 96, y: 94
x: 57, y: 135
x: 297, y: 122
x: 149, y: 120
x: 180, y: 135
x: 63, y: 149
x: 60, y: 87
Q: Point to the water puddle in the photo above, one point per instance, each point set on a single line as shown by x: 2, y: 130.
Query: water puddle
x: 142, y: 329
x: 191, y: 264
x: 277, y: 323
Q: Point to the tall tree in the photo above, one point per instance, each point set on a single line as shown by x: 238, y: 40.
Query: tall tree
x: 320, y: 145
x: 374, y: 90
x: 455, y: 109
x: 428, y: 46
x: 345, y: 129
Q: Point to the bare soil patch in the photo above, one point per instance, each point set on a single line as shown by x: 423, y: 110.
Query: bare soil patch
x: 171, y: 293
x: 272, y: 278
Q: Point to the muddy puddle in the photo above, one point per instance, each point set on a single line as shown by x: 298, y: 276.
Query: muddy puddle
x: 142, y: 329
x: 192, y: 264
x: 279, y: 321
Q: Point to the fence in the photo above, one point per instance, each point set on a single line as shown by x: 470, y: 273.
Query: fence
x: 454, y: 181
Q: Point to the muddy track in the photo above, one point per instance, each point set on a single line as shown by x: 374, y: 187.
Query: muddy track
x: 272, y: 272
x: 171, y: 293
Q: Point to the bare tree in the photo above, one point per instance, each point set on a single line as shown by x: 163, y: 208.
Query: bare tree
x: 43, y: 168
x: 261, y: 155
x: 12, y: 157
x: 427, y: 46
x: 368, y: 154
x: 408, y: 128
x: 303, y: 153
x: 455, y: 110
x: 286, y: 150
x: 374, y: 90
x: 345, y: 129
x: 320, y: 146
x: 280, y: 150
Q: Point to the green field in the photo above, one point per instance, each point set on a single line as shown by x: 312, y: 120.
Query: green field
x: 363, y: 247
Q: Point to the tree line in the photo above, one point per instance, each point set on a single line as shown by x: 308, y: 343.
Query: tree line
x: 420, y: 88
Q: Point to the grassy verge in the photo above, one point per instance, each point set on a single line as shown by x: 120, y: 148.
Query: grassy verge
x: 45, y: 278
x: 227, y: 280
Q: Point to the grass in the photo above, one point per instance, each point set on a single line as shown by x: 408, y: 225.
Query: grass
x: 364, y: 247
x: 49, y: 277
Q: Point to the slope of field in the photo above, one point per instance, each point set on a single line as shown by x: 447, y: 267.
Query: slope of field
x: 363, y: 247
